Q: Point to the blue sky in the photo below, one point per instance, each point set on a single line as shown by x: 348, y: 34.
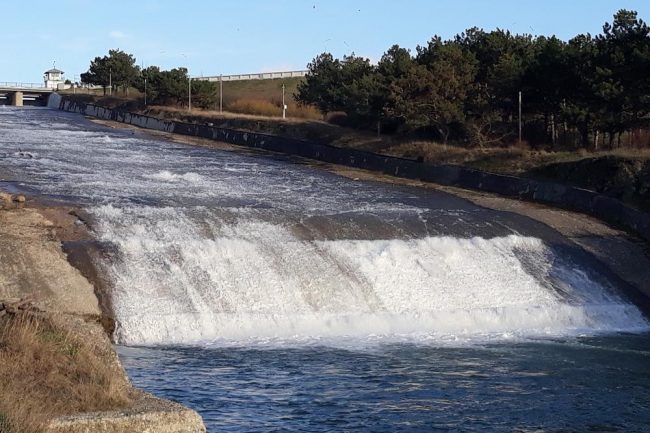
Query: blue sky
x: 239, y: 36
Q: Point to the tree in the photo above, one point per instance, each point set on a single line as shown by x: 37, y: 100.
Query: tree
x: 171, y: 86
x: 501, y: 61
x: 545, y: 82
x: 117, y: 69
x: 358, y: 93
x: 320, y: 83
x: 394, y: 65
x: 433, y: 92
x: 204, y: 93
x: 623, y: 57
x: 579, y: 107
x: 467, y: 87
x: 350, y: 85
x: 98, y: 73
x: 152, y: 75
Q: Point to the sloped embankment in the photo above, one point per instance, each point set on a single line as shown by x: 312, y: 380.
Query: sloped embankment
x: 626, y: 179
x: 58, y: 370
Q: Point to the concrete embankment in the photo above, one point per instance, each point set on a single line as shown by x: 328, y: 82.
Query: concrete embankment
x: 146, y: 414
x: 35, y: 267
x: 603, y: 207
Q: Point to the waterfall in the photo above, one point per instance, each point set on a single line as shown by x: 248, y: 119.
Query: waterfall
x: 215, y: 246
x: 194, y: 276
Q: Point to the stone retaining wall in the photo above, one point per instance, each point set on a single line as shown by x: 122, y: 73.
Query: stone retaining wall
x: 600, y: 206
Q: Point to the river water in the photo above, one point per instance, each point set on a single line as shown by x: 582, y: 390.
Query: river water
x: 271, y: 296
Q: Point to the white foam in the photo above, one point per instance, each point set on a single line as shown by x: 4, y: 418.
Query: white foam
x: 168, y: 176
x: 100, y: 166
x: 183, y: 281
x: 188, y: 274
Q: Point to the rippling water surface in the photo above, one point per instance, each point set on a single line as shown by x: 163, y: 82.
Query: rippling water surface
x: 576, y: 385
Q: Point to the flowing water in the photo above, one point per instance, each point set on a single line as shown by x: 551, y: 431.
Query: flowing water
x: 272, y: 296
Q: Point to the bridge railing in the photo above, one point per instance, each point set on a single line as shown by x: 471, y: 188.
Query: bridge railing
x: 18, y: 85
x: 257, y: 76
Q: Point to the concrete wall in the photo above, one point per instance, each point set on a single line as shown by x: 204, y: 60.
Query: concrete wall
x: 54, y: 100
x: 17, y: 99
x: 603, y: 207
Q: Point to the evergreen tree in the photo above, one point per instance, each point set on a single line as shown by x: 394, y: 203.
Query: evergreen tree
x: 117, y: 69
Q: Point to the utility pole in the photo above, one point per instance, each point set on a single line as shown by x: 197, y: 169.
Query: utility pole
x: 520, y: 117
x: 220, y: 93
x: 144, y: 77
x: 189, y: 83
x: 284, y: 107
x: 110, y: 82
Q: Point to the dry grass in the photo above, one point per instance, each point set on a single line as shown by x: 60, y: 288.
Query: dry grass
x: 249, y: 97
x: 269, y: 90
x: 626, y: 152
x: 510, y: 160
x: 207, y: 114
x: 254, y: 106
x: 47, y: 371
x: 268, y: 108
x: 437, y: 153
x: 264, y: 97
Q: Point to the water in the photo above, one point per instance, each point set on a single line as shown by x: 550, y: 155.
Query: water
x: 577, y: 385
x: 269, y: 295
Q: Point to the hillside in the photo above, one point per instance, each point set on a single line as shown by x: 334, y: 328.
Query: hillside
x: 257, y: 97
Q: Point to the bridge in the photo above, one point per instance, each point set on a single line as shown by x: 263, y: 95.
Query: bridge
x: 19, y: 94
x: 255, y: 76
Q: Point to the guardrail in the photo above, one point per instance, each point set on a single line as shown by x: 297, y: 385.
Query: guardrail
x: 257, y: 76
x: 18, y: 85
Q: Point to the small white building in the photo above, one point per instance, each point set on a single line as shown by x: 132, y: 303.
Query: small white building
x: 54, y: 78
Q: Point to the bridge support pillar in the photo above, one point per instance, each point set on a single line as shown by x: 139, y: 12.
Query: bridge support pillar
x: 17, y: 99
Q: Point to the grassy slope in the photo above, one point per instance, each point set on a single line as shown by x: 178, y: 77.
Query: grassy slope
x: 269, y: 90
x: 54, y: 371
x: 58, y: 361
x: 257, y: 97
